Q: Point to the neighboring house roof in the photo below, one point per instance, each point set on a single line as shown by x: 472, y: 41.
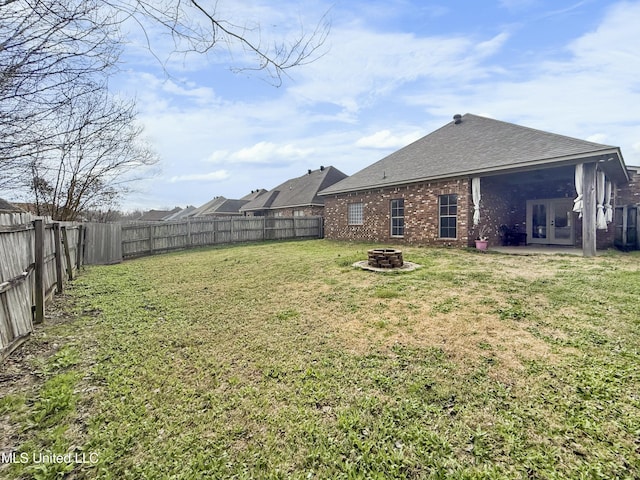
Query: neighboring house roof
x: 6, y: 207
x: 297, y: 192
x: 157, y: 215
x: 185, y: 212
x: 254, y: 194
x: 475, y: 145
x: 219, y: 206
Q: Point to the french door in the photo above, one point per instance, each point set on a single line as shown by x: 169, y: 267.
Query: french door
x: 550, y: 221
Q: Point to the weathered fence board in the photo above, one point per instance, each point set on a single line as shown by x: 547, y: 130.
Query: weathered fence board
x: 32, y: 268
x: 103, y: 243
x: 140, y: 239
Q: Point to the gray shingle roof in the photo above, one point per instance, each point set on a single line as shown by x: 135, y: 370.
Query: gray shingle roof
x: 254, y: 194
x: 185, y: 212
x: 6, y: 207
x: 297, y: 191
x: 157, y: 215
x: 473, y: 146
x: 219, y: 206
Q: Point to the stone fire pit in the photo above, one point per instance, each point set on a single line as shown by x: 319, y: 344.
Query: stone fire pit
x: 385, y: 258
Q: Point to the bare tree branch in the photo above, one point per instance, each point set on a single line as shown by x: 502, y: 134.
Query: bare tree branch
x: 182, y: 19
x: 62, y: 136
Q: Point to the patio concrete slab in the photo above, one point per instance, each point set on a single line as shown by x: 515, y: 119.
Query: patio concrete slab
x: 538, y: 250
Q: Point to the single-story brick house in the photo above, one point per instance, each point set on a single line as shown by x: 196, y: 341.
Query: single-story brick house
x: 524, y: 186
x: 295, y: 197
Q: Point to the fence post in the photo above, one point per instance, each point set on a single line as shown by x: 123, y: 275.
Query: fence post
x: 84, y: 245
x: 67, y: 252
x: 79, y: 252
x: 150, y: 239
x: 58, y: 257
x: 188, y: 233
x: 39, y: 270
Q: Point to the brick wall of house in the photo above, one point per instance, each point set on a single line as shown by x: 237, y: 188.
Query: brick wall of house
x: 420, y: 214
x: 502, y: 203
x: 629, y: 194
x: 307, y: 211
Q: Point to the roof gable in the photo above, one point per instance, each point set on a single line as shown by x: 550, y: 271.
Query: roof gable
x: 473, y: 145
x: 219, y: 206
x: 254, y: 194
x: 298, y: 191
x: 185, y: 212
x: 157, y: 215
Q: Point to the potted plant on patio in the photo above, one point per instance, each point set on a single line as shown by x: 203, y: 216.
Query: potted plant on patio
x: 482, y: 240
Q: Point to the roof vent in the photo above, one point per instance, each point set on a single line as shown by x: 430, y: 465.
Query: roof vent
x: 309, y: 172
x: 457, y: 118
x: 322, y: 168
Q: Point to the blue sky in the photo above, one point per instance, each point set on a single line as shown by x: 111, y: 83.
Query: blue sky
x: 392, y: 72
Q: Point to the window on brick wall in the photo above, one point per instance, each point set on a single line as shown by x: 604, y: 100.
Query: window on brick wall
x: 448, y: 215
x: 298, y: 213
x: 354, y: 214
x: 397, y: 217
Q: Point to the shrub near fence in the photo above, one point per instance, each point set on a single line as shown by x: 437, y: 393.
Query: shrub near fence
x: 36, y: 257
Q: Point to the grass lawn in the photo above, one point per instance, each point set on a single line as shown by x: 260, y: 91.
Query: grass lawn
x: 280, y: 360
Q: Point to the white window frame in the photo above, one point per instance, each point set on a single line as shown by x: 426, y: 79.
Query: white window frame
x: 355, y: 213
x: 394, y: 217
x: 447, y: 215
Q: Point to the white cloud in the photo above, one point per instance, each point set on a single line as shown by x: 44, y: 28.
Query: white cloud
x: 364, y: 66
x: 265, y: 153
x: 492, y: 46
x: 587, y: 95
x: 517, y: 4
x: 385, y: 139
x: 202, y: 95
x: 218, y: 156
x: 217, y: 175
x: 379, y: 90
x: 597, y: 138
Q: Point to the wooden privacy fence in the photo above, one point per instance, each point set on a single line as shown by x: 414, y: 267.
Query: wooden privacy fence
x: 140, y: 239
x: 37, y: 256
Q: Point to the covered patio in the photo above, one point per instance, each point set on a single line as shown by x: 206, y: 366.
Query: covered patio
x: 556, y: 205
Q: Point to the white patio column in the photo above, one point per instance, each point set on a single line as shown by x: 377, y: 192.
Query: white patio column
x: 589, y: 210
x: 475, y: 193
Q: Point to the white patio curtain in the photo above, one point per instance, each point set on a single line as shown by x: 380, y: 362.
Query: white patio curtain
x: 601, y: 218
x: 577, y: 203
x: 607, y: 202
x: 475, y: 192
